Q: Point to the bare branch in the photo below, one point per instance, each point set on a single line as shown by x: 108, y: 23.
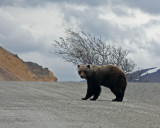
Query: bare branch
x: 87, y: 49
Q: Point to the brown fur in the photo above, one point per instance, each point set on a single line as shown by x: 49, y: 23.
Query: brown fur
x: 107, y: 75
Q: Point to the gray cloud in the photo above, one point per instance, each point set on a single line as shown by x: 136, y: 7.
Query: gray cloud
x: 151, y: 6
x: 42, y: 2
x: 90, y: 22
x: 15, y: 38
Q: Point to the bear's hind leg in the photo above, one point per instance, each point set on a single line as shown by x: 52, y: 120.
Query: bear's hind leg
x: 119, y: 95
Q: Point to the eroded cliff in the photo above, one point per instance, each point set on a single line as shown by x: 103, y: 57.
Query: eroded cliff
x: 12, y: 68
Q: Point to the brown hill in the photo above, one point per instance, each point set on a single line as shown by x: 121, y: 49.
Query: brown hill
x: 12, y: 68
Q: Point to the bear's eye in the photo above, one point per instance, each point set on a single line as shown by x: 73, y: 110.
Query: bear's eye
x: 85, y: 72
x: 79, y: 72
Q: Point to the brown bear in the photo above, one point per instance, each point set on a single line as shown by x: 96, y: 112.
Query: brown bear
x: 107, y: 75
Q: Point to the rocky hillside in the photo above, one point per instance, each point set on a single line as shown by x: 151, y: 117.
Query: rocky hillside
x: 12, y: 68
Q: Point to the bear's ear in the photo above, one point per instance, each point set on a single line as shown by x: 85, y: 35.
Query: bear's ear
x: 78, y: 66
x: 88, y: 66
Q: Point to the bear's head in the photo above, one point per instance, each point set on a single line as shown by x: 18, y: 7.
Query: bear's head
x: 84, y: 71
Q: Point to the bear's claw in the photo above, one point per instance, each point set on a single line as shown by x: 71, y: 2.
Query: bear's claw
x: 117, y: 100
x: 84, y: 98
x: 93, y: 99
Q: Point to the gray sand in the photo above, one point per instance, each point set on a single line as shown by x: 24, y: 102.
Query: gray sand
x: 59, y: 105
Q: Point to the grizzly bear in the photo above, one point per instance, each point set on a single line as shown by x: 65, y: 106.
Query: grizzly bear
x: 107, y: 75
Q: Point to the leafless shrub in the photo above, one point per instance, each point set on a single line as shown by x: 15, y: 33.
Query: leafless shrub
x: 82, y: 48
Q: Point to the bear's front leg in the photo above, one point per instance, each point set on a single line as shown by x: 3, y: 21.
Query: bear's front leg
x: 97, y: 91
x: 89, y: 94
x: 89, y: 90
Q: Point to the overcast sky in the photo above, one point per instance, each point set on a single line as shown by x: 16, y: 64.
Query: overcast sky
x: 29, y: 27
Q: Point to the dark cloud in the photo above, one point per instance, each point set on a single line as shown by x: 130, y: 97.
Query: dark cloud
x: 88, y: 20
x: 119, y: 11
x: 150, y: 6
x: 42, y: 2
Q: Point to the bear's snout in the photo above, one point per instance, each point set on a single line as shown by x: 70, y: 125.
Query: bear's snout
x: 82, y: 77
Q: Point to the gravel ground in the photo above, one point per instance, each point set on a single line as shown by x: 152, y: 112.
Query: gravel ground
x: 59, y: 105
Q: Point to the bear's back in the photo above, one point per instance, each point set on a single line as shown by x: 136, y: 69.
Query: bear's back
x: 107, y: 69
x: 111, y: 69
